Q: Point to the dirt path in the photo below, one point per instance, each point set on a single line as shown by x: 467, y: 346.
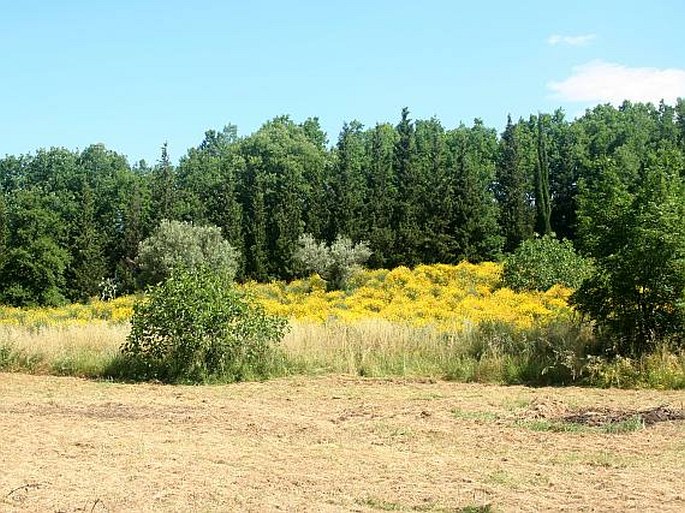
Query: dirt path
x: 326, y: 445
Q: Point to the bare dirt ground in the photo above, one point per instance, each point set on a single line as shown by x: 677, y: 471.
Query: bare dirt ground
x: 329, y: 444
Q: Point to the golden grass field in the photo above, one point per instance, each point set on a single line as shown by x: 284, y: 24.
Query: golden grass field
x: 327, y: 444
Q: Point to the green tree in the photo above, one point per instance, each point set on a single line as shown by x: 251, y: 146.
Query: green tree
x: 473, y: 217
x: 680, y: 121
x: 102, y: 189
x: 317, y: 174
x: 543, y: 207
x: 281, y: 162
x: 134, y: 196
x: 208, y: 179
x: 381, y: 194
x: 540, y: 263
x: 512, y: 186
x: 181, y: 245
x: 565, y: 156
x: 635, y: 231
x: 196, y: 326
x: 163, y: 189
x: 335, y: 263
x: 314, y: 132
x: 54, y: 171
x: 347, y: 184
x: 434, y: 200
x: 88, y: 266
x: 13, y: 172
x: 253, y: 194
x: 33, y: 267
x: 3, y: 226
x: 409, y: 193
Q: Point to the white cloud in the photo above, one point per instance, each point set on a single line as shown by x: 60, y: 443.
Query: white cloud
x: 585, y: 39
x: 599, y: 81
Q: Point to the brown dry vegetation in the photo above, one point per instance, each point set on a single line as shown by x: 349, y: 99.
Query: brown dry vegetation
x: 328, y: 444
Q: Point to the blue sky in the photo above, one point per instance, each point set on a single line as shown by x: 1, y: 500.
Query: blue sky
x: 133, y: 74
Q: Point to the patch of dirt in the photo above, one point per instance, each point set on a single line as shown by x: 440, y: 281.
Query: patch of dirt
x: 544, y: 408
x: 547, y: 408
x: 598, y: 417
x: 105, y: 411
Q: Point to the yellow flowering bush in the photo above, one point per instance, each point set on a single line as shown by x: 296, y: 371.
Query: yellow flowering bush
x: 447, y: 297
x: 116, y: 311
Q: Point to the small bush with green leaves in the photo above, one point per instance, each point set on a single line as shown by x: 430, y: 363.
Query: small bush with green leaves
x: 196, y: 326
x: 335, y: 263
x: 540, y: 263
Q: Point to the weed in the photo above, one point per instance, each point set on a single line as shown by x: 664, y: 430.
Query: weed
x: 500, y: 477
x: 429, y: 507
x: 630, y: 425
x: 13, y: 359
x: 380, y: 504
x: 486, y: 508
x: 554, y: 426
x: 439, y: 321
x: 516, y: 404
x: 483, y: 416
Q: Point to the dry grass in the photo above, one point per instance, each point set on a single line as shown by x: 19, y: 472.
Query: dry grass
x: 373, y: 347
x: 56, y: 341
x: 85, y: 348
x: 327, y: 444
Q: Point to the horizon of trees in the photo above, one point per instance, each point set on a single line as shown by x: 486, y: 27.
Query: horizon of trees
x: 416, y: 191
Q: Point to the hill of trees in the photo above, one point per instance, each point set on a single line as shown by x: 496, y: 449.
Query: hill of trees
x: 417, y: 192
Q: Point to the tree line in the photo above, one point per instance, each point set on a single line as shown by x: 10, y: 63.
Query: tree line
x: 415, y: 191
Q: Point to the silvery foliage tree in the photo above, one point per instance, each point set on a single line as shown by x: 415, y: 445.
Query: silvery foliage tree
x: 336, y: 262
x: 182, y: 245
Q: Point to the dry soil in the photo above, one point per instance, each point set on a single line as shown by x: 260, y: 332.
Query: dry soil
x: 329, y: 444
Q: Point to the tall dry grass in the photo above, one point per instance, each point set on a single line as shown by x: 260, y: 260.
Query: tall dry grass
x: 373, y: 347
x: 83, y: 349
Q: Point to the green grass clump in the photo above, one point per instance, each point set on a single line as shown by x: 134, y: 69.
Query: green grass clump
x: 383, y: 505
x: 483, y: 416
x: 553, y: 426
x: 630, y: 425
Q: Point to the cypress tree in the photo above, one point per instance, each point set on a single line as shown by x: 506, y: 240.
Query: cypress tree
x: 407, y: 205
x: 347, y: 187
x: 433, y: 192
x: 3, y: 226
x: 163, y: 189
x: 473, y: 222
x: 381, y: 194
x: 511, y: 189
x: 88, y: 263
x: 543, y: 209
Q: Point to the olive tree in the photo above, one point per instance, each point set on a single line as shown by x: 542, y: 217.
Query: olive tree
x: 179, y: 244
x: 336, y: 262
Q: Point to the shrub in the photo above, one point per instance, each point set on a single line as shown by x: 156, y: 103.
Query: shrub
x: 541, y: 263
x: 177, y: 244
x: 635, y: 232
x: 335, y: 263
x: 195, y: 326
